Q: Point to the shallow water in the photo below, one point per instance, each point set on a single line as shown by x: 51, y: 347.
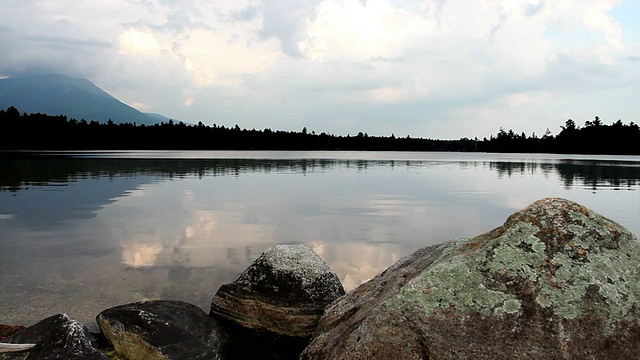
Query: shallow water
x: 82, y: 232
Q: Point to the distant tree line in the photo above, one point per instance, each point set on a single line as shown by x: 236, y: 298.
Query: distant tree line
x: 594, y: 137
x: 47, y: 132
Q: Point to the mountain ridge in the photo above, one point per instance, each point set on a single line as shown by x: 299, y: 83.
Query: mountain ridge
x: 77, y: 98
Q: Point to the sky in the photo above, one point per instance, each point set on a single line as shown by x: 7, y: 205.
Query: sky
x: 442, y: 69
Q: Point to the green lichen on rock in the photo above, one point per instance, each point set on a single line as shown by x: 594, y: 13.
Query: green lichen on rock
x: 600, y: 256
x: 518, y: 253
x: 556, y: 281
x: 556, y: 255
x: 510, y: 306
x: 452, y: 281
x: 462, y: 277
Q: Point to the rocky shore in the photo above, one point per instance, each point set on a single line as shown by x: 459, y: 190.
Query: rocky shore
x: 555, y: 281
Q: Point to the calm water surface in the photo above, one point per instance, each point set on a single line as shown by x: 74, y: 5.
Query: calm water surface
x: 84, y: 231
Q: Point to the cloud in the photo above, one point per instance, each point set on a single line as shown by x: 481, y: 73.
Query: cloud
x: 285, y: 20
x: 352, y: 31
x: 50, y: 46
x: 67, y: 43
x: 136, y: 42
x: 434, y: 69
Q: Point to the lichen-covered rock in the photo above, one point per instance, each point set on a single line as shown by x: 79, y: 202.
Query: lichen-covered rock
x: 556, y: 281
x: 162, y: 329
x: 284, y: 291
x: 56, y: 337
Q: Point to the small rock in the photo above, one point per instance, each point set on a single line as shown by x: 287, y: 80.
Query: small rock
x: 284, y: 291
x: 162, y: 329
x: 56, y: 337
x: 556, y: 281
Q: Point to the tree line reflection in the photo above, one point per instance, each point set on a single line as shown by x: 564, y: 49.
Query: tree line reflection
x: 20, y: 172
x: 588, y: 173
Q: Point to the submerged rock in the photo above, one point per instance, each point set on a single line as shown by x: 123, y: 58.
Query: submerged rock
x: 284, y: 291
x: 162, y: 330
x: 556, y: 280
x: 56, y: 337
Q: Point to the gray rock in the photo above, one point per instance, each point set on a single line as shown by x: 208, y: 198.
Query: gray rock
x: 556, y: 281
x: 56, y: 337
x: 284, y: 291
x: 162, y: 330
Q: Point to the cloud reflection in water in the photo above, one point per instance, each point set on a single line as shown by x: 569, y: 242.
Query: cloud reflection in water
x: 179, y: 228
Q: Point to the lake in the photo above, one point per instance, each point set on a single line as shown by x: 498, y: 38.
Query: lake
x: 84, y: 231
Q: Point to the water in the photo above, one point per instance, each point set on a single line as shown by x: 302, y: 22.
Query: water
x: 84, y: 231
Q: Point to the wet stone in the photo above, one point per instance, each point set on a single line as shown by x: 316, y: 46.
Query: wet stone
x: 162, y: 329
x: 278, y: 299
x: 56, y: 337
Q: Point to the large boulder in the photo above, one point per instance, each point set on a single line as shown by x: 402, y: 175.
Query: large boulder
x: 284, y: 291
x: 162, y: 329
x: 56, y: 337
x: 556, y: 281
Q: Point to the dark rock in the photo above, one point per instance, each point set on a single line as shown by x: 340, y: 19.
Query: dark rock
x: 556, y: 281
x: 56, y: 337
x: 284, y: 291
x: 8, y: 330
x: 254, y: 344
x: 162, y: 330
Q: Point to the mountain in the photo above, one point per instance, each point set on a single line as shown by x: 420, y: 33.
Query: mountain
x: 55, y: 94
x: 158, y: 118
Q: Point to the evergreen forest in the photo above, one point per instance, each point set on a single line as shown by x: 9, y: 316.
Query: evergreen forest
x: 47, y: 132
